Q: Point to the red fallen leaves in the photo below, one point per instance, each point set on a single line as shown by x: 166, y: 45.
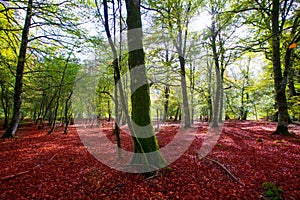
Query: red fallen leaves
x: 58, y: 166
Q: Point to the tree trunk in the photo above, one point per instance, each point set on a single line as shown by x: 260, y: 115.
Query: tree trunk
x: 177, y: 113
x: 53, y: 124
x: 5, y: 106
x: 289, y: 58
x: 67, y: 115
x: 117, y: 77
x: 13, y: 125
x: 186, y: 109
x: 46, y: 111
x: 109, y: 110
x: 216, y: 104
x: 221, y: 91
x: 166, y: 103
x: 140, y: 97
x: 279, y: 83
x: 209, y: 91
x: 192, y: 88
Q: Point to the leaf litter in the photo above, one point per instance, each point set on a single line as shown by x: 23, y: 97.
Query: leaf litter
x: 58, y: 166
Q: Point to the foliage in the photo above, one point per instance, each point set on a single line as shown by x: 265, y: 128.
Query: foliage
x: 272, y: 192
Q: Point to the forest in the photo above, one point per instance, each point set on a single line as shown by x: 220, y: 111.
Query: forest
x: 150, y: 99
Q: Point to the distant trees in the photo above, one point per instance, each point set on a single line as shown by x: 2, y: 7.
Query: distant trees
x: 42, y: 23
x: 277, y: 18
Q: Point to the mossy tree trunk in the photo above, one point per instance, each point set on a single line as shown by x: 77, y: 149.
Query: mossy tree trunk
x: 144, y: 138
x: 279, y: 83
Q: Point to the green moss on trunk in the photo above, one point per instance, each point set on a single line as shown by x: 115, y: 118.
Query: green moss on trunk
x: 146, y: 149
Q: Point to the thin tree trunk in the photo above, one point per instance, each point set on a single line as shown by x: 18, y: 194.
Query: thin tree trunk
x: 192, y: 88
x: 109, y: 110
x: 209, y: 90
x: 53, y: 124
x: 166, y: 103
x: 216, y: 104
x: 167, y: 87
x: 289, y: 59
x: 117, y: 77
x: 13, y: 125
x: 46, y: 111
x: 177, y: 113
x: 221, y: 101
x: 67, y: 115
x: 5, y: 106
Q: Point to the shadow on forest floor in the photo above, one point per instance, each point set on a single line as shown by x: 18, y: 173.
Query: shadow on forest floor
x: 58, y: 166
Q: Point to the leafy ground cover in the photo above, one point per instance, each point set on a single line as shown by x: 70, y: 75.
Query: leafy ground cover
x: 57, y: 166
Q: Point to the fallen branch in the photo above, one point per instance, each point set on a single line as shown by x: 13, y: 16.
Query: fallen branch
x: 18, y: 174
x: 224, y: 168
x: 52, y: 157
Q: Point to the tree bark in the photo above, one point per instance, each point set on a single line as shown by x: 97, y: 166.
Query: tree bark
x: 5, y: 105
x: 166, y: 103
x: 18, y: 89
x: 117, y: 77
x: 186, y: 109
x: 216, y: 104
x: 67, y: 115
x: 140, y: 97
x: 279, y: 82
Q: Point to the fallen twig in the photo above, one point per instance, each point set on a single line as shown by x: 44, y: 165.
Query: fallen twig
x: 224, y: 168
x: 52, y: 157
x: 18, y: 174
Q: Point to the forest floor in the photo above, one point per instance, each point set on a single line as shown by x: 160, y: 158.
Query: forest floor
x: 35, y: 165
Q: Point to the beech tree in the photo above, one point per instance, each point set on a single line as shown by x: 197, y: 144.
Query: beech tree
x: 13, y: 125
x: 145, y: 140
x: 280, y: 97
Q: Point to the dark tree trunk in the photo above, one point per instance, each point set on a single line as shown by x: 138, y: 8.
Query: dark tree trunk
x: 140, y: 97
x: 186, y: 109
x: 53, y: 123
x: 279, y: 83
x: 192, y: 88
x: 216, y: 104
x: 67, y: 115
x: 5, y: 105
x: 177, y: 113
x: 209, y: 101
x: 40, y: 112
x: 245, y: 113
x: 166, y: 103
x: 47, y: 111
x: 109, y: 110
x: 244, y: 110
x: 13, y: 125
x: 289, y: 58
x: 291, y: 85
x: 117, y: 77
x: 221, y: 102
